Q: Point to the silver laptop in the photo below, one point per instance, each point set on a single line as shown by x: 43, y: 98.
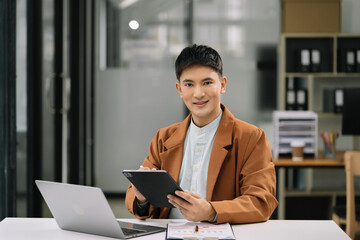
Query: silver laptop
x: 85, y: 209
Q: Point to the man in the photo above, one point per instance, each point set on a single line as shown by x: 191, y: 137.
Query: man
x: 224, y: 163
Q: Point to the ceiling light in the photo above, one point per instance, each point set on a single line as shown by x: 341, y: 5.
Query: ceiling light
x: 133, y: 24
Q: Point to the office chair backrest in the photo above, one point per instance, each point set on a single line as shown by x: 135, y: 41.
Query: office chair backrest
x: 352, y: 168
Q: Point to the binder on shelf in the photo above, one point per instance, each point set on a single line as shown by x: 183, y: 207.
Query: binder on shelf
x: 350, y: 61
x: 290, y: 94
x: 301, y: 99
x: 315, y: 60
x: 290, y: 100
x: 296, y: 94
x: 338, y: 100
x: 290, y: 83
x: 328, y: 100
x: 346, y: 60
x: 358, y: 60
x: 304, y: 60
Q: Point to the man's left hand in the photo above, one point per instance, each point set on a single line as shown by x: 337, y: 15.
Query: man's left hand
x: 195, y: 208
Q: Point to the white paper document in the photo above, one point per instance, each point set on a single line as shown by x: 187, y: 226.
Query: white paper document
x: 199, y: 230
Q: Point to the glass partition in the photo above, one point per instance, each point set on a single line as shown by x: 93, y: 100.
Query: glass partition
x: 144, y: 34
x: 21, y: 105
x: 135, y: 84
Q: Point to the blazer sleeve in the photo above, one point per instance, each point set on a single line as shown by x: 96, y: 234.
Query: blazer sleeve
x: 255, y: 183
x: 151, y: 161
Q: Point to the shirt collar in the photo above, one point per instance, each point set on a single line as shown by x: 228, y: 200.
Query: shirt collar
x: 207, y: 128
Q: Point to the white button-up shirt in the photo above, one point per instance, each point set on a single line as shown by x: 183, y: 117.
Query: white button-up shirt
x: 194, y: 168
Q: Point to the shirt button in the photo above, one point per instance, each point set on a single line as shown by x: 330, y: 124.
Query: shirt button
x: 193, y: 189
x: 200, y: 130
x: 196, y: 169
x: 199, y: 150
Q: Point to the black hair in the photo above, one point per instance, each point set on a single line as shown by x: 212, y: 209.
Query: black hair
x: 198, y: 54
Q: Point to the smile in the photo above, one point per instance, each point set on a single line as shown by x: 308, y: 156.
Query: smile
x: 201, y: 103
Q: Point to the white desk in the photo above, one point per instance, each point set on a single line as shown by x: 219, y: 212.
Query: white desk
x: 46, y: 228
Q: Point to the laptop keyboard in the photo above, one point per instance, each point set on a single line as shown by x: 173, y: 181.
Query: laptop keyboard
x: 129, y: 231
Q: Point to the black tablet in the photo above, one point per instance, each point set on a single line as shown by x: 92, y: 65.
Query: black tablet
x: 155, y: 185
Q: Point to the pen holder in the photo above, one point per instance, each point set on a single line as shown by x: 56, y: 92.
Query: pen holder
x: 329, y: 150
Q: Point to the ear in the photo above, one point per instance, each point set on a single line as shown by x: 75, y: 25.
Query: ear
x: 178, y: 88
x: 223, y: 82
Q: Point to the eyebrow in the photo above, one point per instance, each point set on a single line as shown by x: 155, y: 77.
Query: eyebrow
x: 203, y: 80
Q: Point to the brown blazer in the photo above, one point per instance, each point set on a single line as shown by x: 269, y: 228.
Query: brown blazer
x: 241, y: 183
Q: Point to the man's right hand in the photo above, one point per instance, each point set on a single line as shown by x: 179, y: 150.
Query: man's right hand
x: 140, y: 198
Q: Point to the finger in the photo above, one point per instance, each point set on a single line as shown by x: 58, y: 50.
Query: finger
x: 185, y: 195
x: 178, y: 201
x: 174, y: 204
x: 195, y: 195
x: 181, y: 208
x: 138, y: 194
x: 174, y: 198
x: 143, y: 168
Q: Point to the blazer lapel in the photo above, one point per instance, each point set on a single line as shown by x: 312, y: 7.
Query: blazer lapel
x: 174, y: 149
x: 172, y: 156
x: 223, y: 138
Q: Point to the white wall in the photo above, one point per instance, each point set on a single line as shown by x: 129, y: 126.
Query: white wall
x: 350, y: 16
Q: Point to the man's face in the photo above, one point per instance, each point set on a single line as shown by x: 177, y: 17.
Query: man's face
x: 200, y: 88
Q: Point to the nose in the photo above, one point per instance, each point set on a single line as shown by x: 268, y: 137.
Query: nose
x: 199, y: 92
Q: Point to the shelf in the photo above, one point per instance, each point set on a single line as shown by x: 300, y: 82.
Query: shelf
x: 316, y: 193
x: 283, y: 123
x: 294, y: 58
x: 347, y: 45
x: 329, y: 115
x: 338, y: 161
x: 290, y: 139
x: 319, y: 35
x: 284, y: 150
x: 297, y: 133
x: 298, y: 81
x: 321, y: 75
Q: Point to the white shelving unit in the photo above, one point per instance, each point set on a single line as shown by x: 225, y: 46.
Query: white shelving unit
x: 295, y: 126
